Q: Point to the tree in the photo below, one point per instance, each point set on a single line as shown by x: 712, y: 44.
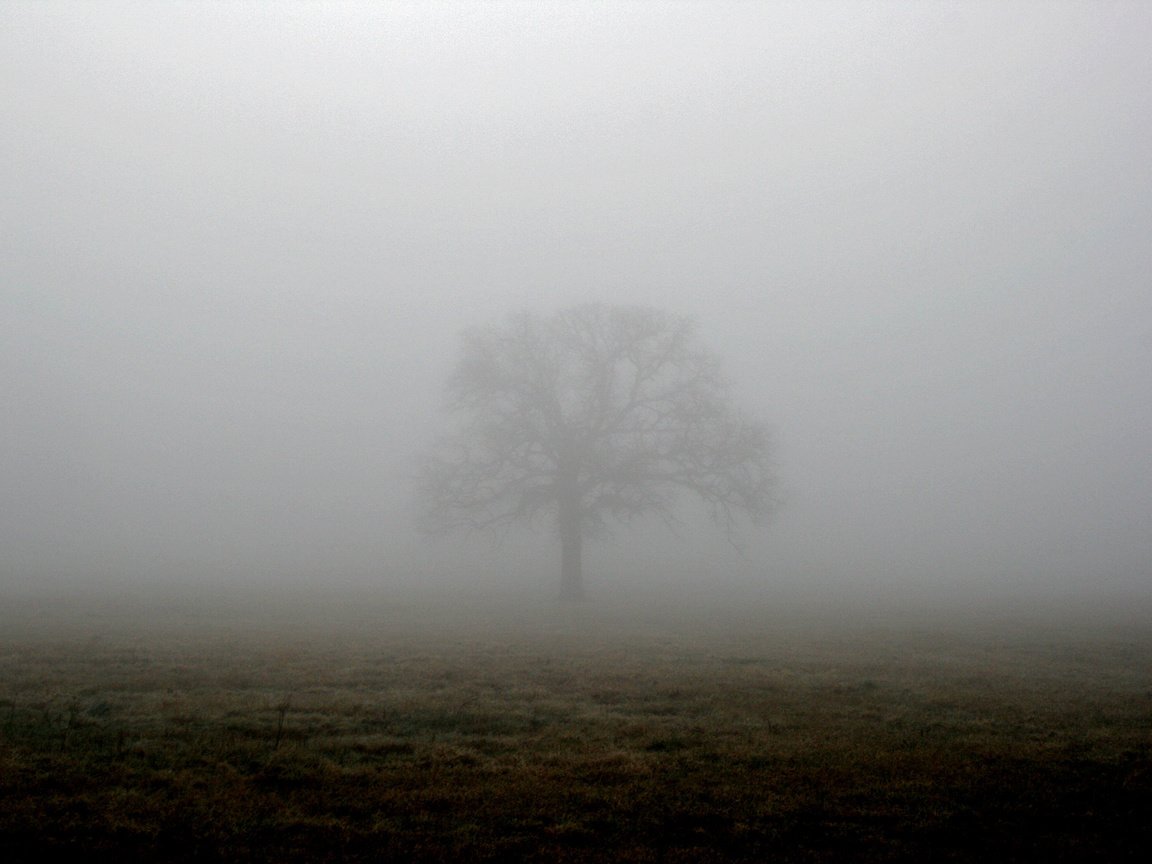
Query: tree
x: 592, y: 415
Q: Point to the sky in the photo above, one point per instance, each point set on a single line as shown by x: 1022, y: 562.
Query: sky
x: 238, y: 244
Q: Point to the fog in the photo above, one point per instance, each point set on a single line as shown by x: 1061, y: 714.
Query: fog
x: 239, y: 244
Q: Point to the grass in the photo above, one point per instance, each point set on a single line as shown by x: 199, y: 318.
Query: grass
x: 303, y: 729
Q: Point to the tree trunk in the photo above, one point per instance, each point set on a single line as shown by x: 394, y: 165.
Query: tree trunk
x: 571, y: 546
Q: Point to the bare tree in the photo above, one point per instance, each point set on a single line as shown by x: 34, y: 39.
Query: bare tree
x: 591, y: 415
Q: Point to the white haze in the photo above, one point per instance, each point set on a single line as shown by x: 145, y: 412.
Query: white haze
x: 238, y: 243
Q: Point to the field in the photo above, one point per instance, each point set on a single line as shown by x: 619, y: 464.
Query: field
x: 356, y: 728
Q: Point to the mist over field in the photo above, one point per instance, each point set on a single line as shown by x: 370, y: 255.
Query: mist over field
x: 793, y: 361
x: 239, y: 244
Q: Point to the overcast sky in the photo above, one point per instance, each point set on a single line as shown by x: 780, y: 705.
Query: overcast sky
x: 238, y: 243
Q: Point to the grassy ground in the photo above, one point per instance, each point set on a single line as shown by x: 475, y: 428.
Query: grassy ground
x: 361, y: 729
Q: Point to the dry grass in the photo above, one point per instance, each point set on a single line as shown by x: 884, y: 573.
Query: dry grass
x: 305, y: 729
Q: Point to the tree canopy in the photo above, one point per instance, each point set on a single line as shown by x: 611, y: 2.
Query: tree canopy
x: 588, y: 416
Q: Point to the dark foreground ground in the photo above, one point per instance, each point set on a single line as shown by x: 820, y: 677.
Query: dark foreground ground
x: 311, y: 729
